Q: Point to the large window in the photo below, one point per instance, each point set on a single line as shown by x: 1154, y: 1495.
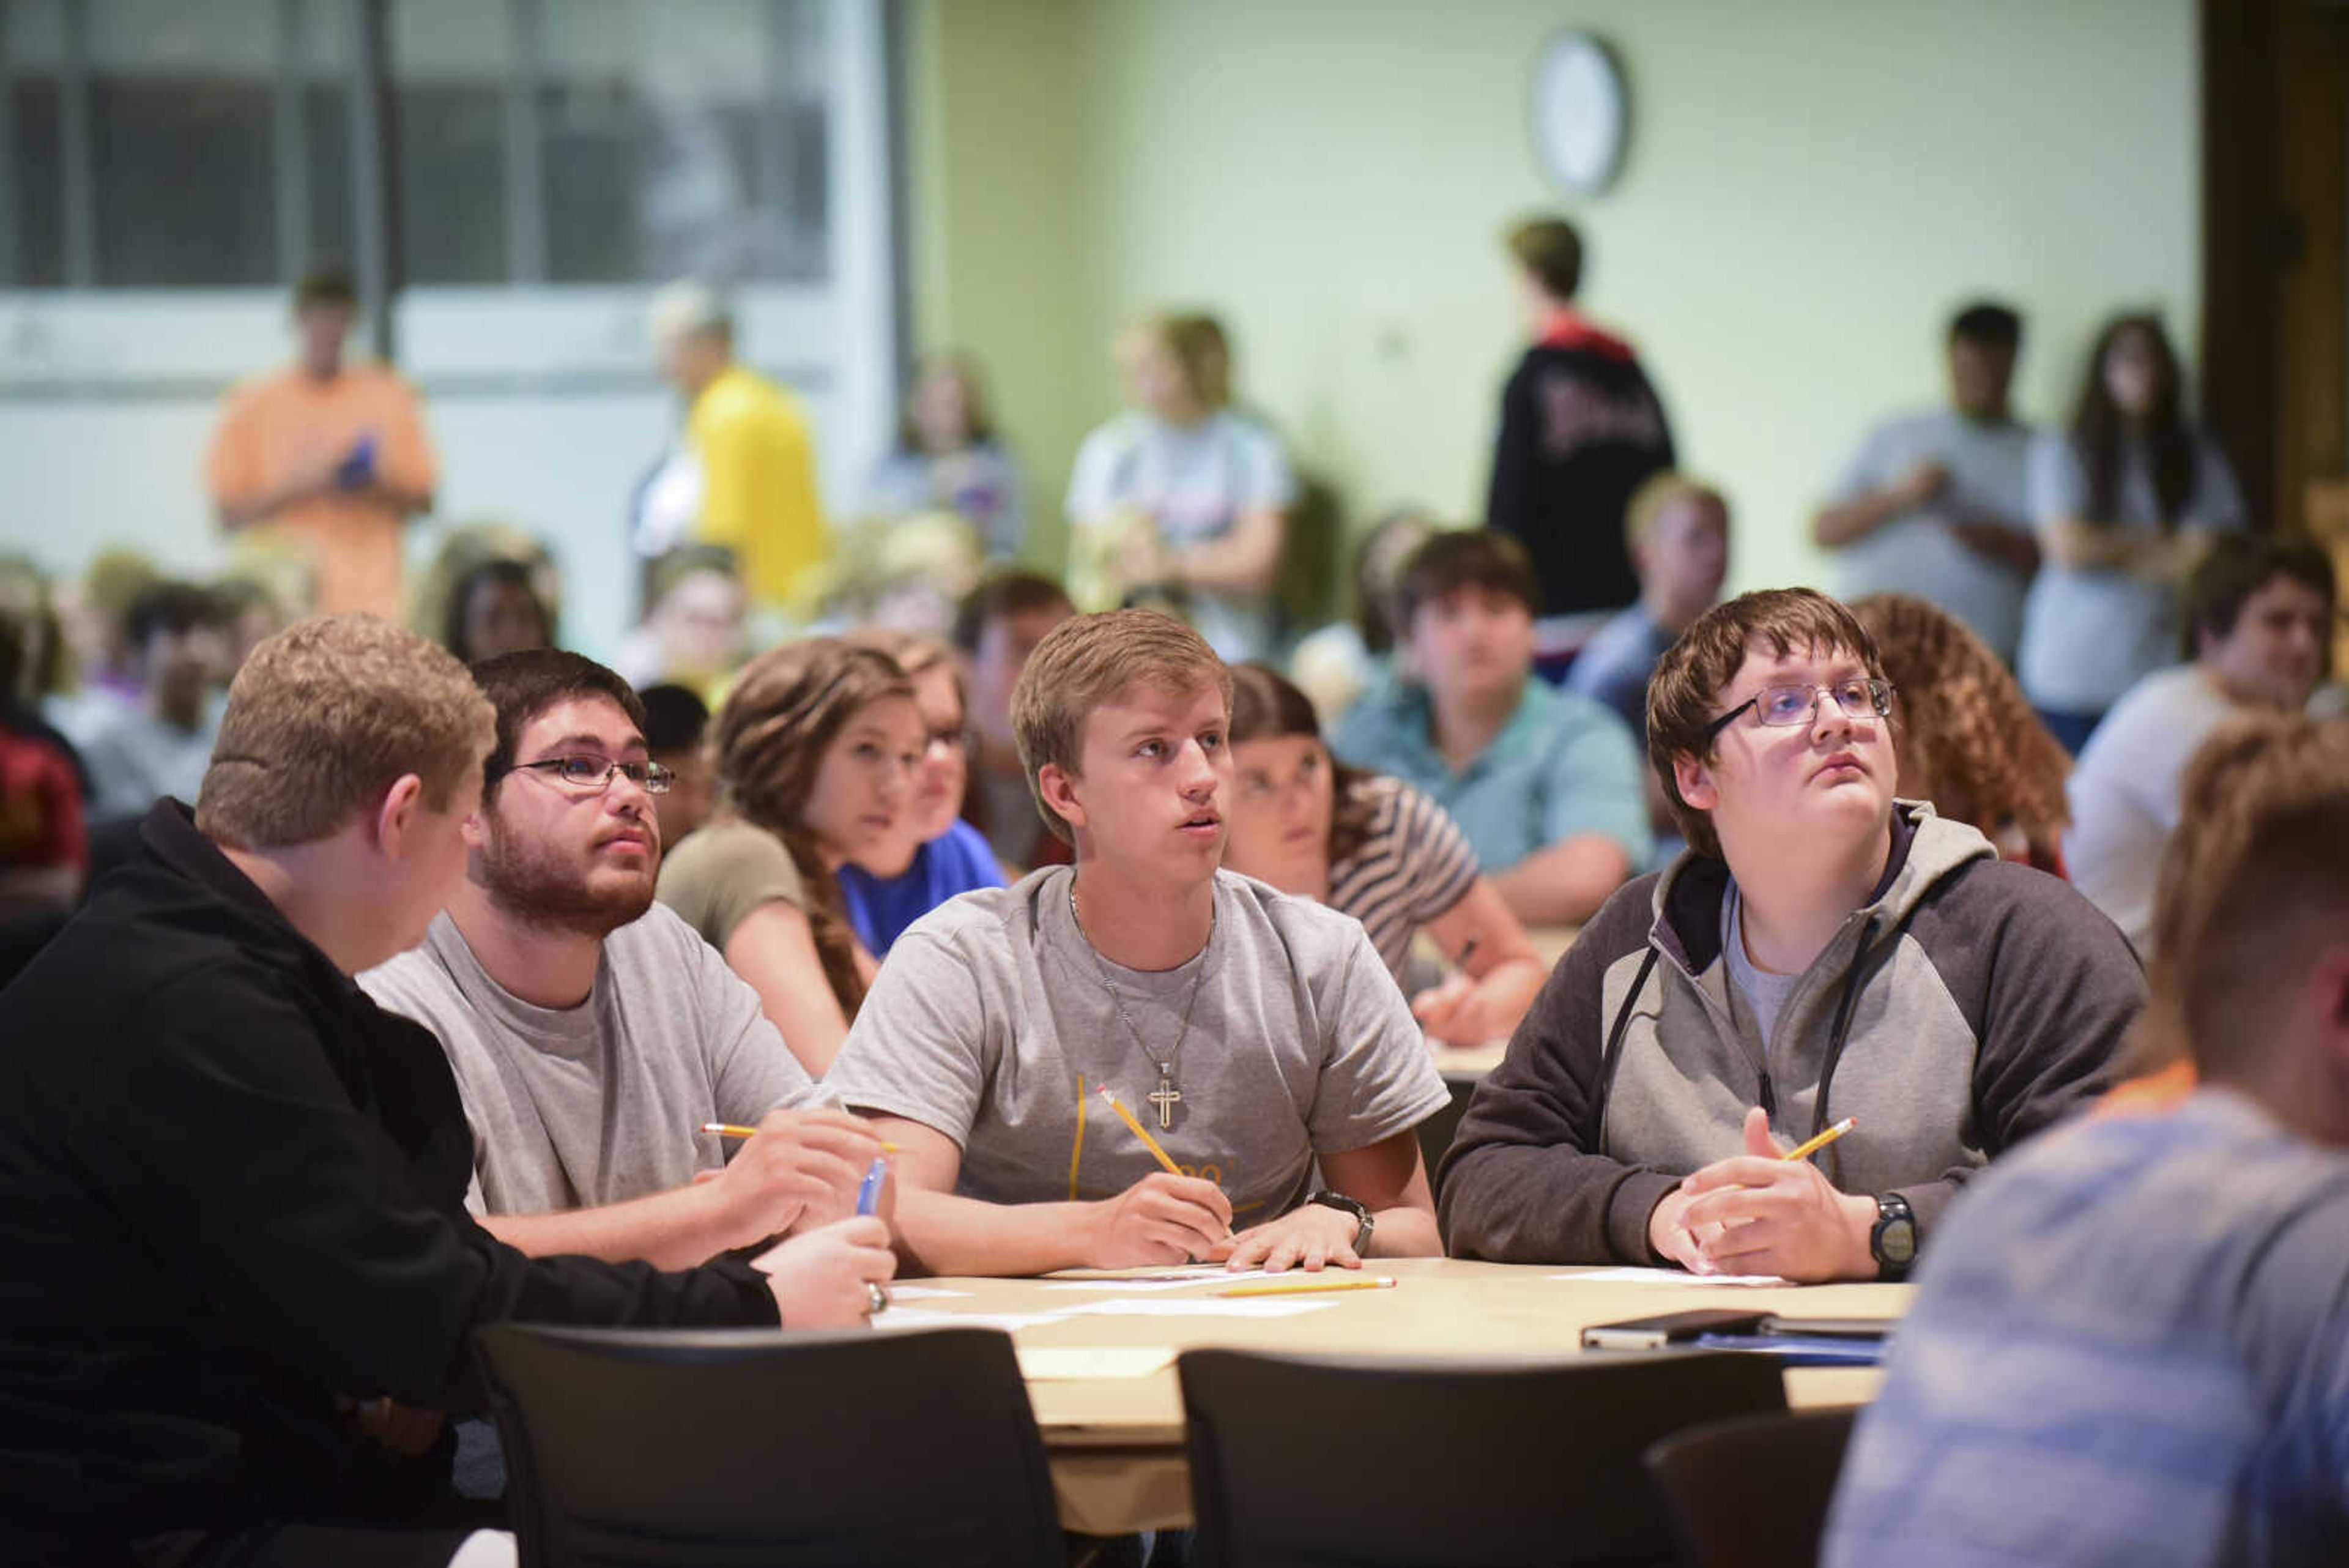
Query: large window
x: 508, y: 179
x: 210, y: 144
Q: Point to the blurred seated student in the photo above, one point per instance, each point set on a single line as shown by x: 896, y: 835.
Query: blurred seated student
x: 44, y: 840
x: 249, y: 612
x: 1546, y: 784
x: 817, y: 753
x: 997, y: 627
x: 594, y: 1034
x: 44, y: 663
x: 2260, y: 613
x: 950, y: 856
x: 2132, y: 1343
x: 1820, y: 951
x: 1935, y: 504
x: 1335, y: 665
x: 160, y: 747
x: 1375, y: 849
x: 494, y: 608
x: 947, y: 458
x: 2125, y: 503
x: 674, y: 720
x: 93, y: 615
x: 692, y: 632
x: 1182, y: 498
x: 1677, y: 530
x: 1258, y: 1035
x: 241, y: 1274
x: 1965, y: 736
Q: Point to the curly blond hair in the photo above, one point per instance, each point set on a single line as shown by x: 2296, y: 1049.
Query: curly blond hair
x: 1966, y: 731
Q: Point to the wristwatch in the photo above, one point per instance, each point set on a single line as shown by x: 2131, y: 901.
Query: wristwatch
x: 1894, y: 1239
x: 1361, y: 1212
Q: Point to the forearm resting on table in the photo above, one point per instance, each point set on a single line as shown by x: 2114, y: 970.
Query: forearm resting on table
x: 942, y: 1233
x: 679, y: 1229
x: 1562, y: 885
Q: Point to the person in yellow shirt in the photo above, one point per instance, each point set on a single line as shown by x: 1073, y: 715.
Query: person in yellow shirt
x: 330, y: 455
x: 750, y: 484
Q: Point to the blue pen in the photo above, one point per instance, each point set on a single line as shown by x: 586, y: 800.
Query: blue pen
x: 868, y: 1191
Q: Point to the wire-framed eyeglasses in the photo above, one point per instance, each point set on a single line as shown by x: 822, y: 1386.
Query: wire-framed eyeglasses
x: 1782, y: 706
x: 580, y: 772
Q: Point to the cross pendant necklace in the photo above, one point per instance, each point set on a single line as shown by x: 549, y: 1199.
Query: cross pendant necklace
x: 1165, y: 1096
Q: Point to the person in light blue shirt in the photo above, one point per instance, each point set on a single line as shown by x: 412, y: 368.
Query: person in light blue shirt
x: 1546, y: 784
x: 2131, y: 1342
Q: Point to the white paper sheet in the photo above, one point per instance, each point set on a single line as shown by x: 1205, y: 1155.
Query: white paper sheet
x: 899, y: 1292
x: 1668, y: 1277
x: 1173, y: 1279
x: 898, y: 1317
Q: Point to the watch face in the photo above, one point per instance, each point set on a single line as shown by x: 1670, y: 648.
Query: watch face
x: 1580, y: 113
x: 1896, y: 1241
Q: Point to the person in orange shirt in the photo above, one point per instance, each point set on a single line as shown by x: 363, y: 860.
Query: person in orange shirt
x: 748, y: 481
x: 331, y: 454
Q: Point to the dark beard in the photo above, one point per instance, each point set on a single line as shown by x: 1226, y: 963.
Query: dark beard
x: 531, y: 885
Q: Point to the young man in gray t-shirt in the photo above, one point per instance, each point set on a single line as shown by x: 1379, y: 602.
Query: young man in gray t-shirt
x: 1256, y: 1037
x: 1935, y: 504
x: 593, y: 1034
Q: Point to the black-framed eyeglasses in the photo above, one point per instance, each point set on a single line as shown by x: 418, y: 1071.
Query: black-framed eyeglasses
x: 586, y: 773
x: 1782, y: 706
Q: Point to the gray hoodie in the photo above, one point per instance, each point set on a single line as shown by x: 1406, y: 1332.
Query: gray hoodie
x: 1967, y: 1004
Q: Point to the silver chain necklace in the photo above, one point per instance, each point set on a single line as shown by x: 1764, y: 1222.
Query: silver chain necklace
x: 1165, y: 1096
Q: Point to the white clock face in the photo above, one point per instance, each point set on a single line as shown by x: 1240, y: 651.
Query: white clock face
x: 1580, y: 113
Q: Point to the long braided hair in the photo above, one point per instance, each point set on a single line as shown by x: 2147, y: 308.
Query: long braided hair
x: 787, y: 707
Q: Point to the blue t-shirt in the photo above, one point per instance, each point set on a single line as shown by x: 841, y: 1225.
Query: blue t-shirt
x: 880, y: 908
x: 1614, y: 666
x: 1562, y: 766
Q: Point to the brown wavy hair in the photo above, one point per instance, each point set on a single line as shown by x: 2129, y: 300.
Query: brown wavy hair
x: 787, y: 707
x: 1987, y: 758
x: 1267, y: 706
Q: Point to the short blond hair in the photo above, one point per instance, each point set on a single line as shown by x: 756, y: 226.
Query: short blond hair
x: 1089, y: 661
x: 325, y: 716
x: 1659, y: 491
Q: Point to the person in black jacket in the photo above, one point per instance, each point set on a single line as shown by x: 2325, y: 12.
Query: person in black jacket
x: 1580, y: 431
x: 242, y: 1279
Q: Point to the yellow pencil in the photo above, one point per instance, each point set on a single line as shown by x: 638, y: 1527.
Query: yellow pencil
x: 1313, y: 1287
x: 1810, y: 1146
x: 1139, y: 1130
x: 735, y: 1129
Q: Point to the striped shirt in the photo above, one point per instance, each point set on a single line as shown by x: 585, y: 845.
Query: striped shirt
x: 2128, y: 1347
x: 1414, y: 865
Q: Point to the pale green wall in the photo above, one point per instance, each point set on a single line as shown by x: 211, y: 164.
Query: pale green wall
x: 1812, y: 184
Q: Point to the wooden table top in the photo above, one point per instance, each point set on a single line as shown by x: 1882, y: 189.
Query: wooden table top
x: 1116, y: 1441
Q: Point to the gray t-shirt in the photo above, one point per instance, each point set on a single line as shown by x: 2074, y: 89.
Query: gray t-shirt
x: 2090, y: 634
x: 1764, y: 992
x: 602, y: 1102
x: 1917, y: 552
x: 990, y: 1023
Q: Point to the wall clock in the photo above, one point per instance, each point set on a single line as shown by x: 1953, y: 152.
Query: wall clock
x: 1580, y: 113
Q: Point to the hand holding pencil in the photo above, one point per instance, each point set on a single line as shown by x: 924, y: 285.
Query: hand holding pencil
x: 1771, y: 1211
x: 1166, y: 1218
x: 797, y: 1171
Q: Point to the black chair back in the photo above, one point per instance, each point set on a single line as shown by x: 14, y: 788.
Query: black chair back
x: 744, y: 1445
x: 1753, y: 1492
x: 1304, y: 1462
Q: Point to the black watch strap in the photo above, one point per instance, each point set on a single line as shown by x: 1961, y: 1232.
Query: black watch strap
x: 1361, y: 1211
x: 1893, y: 1241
